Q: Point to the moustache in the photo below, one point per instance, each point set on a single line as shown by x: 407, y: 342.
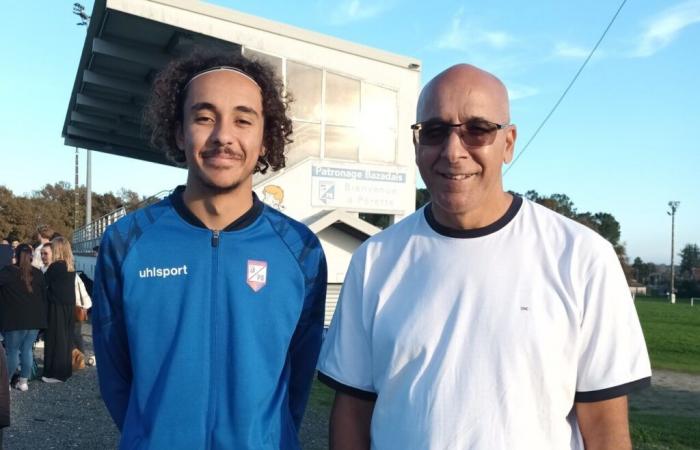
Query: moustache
x: 225, y: 151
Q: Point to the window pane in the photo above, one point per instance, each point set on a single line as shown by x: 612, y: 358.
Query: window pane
x: 272, y: 61
x: 378, y: 107
x: 307, y: 142
x: 304, y: 83
x: 378, y: 144
x: 341, y: 142
x: 342, y: 100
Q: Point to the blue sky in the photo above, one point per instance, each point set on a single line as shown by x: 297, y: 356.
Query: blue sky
x: 624, y: 140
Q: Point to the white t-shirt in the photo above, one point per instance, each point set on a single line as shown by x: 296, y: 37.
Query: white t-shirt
x: 484, y: 339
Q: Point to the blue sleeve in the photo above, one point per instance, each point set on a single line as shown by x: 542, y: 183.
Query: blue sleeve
x: 109, y: 329
x: 306, y: 342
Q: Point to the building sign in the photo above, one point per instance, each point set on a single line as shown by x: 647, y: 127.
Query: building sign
x: 362, y: 187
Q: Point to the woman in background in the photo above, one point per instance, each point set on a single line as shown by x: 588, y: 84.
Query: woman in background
x: 60, y: 289
x: 22, y: 312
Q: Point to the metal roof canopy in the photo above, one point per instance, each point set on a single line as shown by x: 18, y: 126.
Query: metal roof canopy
x: 123, y: 52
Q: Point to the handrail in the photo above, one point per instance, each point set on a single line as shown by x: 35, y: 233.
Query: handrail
x: 86, y: 238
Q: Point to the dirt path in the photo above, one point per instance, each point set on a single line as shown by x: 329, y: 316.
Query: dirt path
x: 671, y: 393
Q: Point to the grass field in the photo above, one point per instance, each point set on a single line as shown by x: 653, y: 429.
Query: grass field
x: 672, y: 333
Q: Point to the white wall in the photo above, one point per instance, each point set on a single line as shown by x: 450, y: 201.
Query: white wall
x: 338, y: 247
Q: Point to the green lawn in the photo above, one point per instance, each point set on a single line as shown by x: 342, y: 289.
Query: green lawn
x: 653, y: 432
x: 672, y: 333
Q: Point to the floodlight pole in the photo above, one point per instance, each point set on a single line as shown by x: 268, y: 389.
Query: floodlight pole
x: 79, y: 10
x: 75, y: 209
x: 88, y: 186
x: 674, y: 206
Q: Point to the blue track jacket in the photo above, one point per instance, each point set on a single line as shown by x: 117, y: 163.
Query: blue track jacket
x: 207, y: 339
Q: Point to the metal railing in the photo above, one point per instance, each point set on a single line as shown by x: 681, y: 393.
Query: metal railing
x: 87, y: 237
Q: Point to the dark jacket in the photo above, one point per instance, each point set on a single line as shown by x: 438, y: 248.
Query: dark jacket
x: 5, y: 255
x: 19, y: 308
x: 60, y: 284
x: 4, y: 392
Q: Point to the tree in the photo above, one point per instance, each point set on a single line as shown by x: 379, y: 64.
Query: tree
x: 422, y: 197
x: 607, y: 226
x: 54, y: 204
x: 690, y: 258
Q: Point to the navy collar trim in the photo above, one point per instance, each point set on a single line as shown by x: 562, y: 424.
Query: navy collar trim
x: 474, y: 232
x: 246, y: 219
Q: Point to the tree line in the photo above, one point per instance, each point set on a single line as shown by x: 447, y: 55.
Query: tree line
x: 687, y: 272
x: 54, y: 205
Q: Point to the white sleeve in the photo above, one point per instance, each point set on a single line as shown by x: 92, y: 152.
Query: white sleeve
x: 345, y: 363
x: 613, y: 358
x: 82, y: 298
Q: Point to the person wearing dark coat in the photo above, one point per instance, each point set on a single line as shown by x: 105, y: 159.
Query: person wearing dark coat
x: 60, y: 293
x: 4, y: 395
x: 5, y: 255
x: 22, y: 312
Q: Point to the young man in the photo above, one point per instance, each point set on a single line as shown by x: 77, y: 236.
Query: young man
x: 45, y: 255
x: 43, y: 236
x: 213, y: 343
x: 482, y: 321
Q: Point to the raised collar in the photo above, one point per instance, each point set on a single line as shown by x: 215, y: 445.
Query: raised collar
x: 246, y: 219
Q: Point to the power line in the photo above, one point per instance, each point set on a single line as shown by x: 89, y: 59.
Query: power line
x: 566, y: 91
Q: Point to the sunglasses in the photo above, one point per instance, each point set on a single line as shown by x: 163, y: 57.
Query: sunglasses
x: 474, y: 132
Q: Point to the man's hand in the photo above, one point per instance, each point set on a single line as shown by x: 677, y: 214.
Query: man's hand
x: 604, y: 425
x: 350, y: 422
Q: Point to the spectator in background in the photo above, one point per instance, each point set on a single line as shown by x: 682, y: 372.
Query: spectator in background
x: 84, y: 302
x: 45, y: 258
x: 60, y: 283
x: 22, y: 312
x: 43, y: 237
x: 6, y: 254
x: 4, y: 396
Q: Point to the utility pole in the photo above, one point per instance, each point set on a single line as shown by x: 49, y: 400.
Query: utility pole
x: 672, y: 213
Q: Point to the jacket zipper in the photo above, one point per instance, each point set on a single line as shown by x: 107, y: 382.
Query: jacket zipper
x: 213, y: 383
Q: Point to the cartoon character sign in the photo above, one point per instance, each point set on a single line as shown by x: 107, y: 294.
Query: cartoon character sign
x: 273, y: 195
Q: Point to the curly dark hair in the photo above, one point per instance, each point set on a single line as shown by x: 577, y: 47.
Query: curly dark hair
x: 164, y: 111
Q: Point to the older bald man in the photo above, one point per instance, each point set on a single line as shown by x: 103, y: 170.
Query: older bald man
x: 483, y: 320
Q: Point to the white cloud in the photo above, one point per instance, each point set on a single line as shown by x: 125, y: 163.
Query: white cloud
x: 464, y: 36
x: 667, y: 26
x: 348, y: 11
x: 569, y: 51
x: 520, y: 91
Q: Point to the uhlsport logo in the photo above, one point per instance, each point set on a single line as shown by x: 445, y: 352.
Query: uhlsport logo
x: 163, y: 272
x: 257, y: 274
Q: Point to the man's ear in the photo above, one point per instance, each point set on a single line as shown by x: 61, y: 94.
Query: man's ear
x: 179, y: 137
x: 511, y: 135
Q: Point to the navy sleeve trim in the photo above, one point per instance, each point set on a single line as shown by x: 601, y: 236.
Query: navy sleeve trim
x: 345, y: 389
x: 613, y: 392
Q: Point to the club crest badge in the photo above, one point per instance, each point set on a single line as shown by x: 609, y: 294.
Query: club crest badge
x: 257, y: 274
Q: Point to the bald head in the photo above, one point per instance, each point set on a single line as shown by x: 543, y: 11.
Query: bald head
x: 469, y: 85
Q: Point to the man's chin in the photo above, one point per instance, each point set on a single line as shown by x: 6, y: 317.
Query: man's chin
x: 220, y: 188
x: 216, y: 187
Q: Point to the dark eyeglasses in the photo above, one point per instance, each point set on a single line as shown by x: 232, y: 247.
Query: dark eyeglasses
x: 474, y: 132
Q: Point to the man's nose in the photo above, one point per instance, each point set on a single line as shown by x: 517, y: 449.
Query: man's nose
x: 223, y: 132
x: 453, y: 147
